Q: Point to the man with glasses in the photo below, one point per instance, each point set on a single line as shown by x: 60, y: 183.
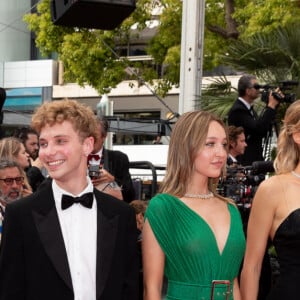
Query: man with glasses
x: 256, y: 127
x: 11, y: 185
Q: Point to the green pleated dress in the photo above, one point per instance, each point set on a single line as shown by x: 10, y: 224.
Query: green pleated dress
x: 192, y: 257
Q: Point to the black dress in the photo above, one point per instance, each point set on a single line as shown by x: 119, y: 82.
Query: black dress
x: 287, y: 244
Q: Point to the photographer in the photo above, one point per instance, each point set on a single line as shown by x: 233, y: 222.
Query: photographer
x: 256, y: 127
x: 113, y: 176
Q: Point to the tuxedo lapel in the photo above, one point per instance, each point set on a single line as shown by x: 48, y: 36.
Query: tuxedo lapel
x: 107, y: 228
x: 107, y: 160
x: 255, y: 116
x: 47, y: 224
x: 240, y: 104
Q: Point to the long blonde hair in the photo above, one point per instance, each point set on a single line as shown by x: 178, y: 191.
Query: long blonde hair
x: 188, y: 136
x: 9, y: 150
x: 288, y: 152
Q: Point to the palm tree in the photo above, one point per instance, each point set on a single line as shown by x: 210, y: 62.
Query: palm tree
x: 273, y: 57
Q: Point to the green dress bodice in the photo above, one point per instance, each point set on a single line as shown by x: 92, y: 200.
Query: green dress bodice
x: 192, y: 256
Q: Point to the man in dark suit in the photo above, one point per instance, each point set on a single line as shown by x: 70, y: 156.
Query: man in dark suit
x: 68, y: 241
x: 237, y: 144
x: 256, y: 127
x: 114, y: 166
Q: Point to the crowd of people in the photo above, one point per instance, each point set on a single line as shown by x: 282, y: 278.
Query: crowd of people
x: 73, y: 230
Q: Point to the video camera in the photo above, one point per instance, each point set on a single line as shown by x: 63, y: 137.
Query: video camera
x: 249, y: 175
x: 283, y: 86
x: 242, y: 181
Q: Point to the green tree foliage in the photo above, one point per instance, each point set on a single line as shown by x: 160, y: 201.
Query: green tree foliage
x: 272, y: 56
x: 265, y: 15
x: 89, y: 56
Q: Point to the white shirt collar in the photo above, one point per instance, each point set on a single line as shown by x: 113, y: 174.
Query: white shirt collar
x: 58, y: 191
x: 99, y: 152
x: 245, y: 102
x: 232, y: 158
x: 96, y: 162
x: 79, y: 229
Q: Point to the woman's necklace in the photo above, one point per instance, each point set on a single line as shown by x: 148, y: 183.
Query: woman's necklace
x: 201, y: 196
x: 295, y: 174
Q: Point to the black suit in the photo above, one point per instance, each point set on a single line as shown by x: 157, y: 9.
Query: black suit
x: 255, y: 129
x: 33, y: 259
x: 230, y: 161
x: 117, y: 164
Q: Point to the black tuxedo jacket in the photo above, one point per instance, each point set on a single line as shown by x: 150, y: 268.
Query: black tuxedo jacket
x: 33, y: 259
x: 117, y: 164
x: 230, y: 161
x: 255, y: 129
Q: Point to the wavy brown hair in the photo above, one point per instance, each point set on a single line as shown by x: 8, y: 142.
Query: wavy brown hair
x: 288, y: 152
x: 188, y: 136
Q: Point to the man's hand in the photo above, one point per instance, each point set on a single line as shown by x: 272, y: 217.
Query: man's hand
x: 105, y: 182
x: 273, y: 102
x: 37, y: 163
x: 104, y: 176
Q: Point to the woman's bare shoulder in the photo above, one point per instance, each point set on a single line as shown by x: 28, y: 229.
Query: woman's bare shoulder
x: 274, y: 182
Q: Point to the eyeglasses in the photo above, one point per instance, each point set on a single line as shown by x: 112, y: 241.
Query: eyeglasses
x: 10, y: 181
x: 255, y: 86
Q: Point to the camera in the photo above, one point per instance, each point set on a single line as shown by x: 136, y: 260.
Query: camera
x: 241, y: 182
x: 284, y: 87
x: 94, y: 171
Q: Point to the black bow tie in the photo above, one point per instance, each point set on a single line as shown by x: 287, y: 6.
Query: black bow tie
x: 86, y: 200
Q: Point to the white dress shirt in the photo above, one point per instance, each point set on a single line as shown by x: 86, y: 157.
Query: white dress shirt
x: 232, y: 158
x: 79, y: 229
x: 96, y: 162
x: 248, y: 105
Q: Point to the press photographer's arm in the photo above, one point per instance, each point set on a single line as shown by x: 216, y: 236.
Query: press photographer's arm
x: 272, y: 101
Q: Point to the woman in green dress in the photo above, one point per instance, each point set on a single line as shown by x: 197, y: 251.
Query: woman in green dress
x: 192, y: 235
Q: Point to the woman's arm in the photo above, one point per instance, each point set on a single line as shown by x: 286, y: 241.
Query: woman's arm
x: 236, y: 290
x: 153, y: 264
x: 259, y: 227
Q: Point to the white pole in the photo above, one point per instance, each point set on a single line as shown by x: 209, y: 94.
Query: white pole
x: 105, y: 108
x: 191, y: 62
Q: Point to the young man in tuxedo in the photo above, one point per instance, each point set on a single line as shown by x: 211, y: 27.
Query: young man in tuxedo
x: 256, y: 127
x: 68, y: 241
